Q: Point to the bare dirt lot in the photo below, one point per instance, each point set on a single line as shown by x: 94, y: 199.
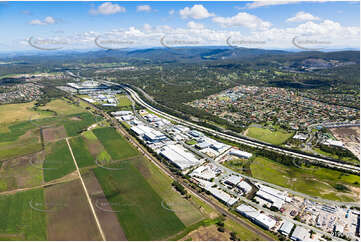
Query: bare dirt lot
x: 107, y: 217
x: 70, y: 217
x: 94, y: 147
x: 350, y: 137
x: 52, y: 134
x: 209, y: 233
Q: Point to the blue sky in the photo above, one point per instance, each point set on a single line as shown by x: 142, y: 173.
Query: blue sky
x: 268, y: 24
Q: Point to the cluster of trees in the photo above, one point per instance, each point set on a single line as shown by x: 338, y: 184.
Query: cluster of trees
x: 340, y: 152
x: 179, y: 187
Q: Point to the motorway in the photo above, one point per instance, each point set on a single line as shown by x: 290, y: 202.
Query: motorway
x: 332, y: 164
x: 165, y: 170
x: 229, y: 171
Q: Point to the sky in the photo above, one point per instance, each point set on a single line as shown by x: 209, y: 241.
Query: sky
x: 117, y: 25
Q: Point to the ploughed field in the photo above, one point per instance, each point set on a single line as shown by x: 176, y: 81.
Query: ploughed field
x: 41, y: 197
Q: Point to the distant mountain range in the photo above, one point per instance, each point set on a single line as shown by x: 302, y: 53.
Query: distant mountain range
x: 173, y: 55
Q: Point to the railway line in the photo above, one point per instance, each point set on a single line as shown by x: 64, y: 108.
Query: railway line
x: 255, y: 144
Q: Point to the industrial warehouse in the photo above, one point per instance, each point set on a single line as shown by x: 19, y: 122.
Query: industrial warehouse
x: 88, y: 86
x: 201, y: 158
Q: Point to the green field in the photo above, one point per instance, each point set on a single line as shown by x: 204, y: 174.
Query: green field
x: 315, y: 181
x: 58, y: 162
x: 139, y: 207
x: 186, y: 210
x: 23, y: 137
x: 81, y: 152
x: 114, y: 143
x: 18, y: 221
x: 123, y: 101
x: 20, y: 173
x: 62, y: 107
x: 273, y: 137
x: 75, y: 123
x: 89, y: 135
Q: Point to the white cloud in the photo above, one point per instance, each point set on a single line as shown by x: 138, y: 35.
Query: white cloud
x: 46, y: 21
x: 107, y: 8
x: 144, y: 8
x: 171, y: 12
x: 49, y: 20
x: 195, y: 12
x: 259, y: 4
x: 243, y: 19
x: 194, y: 25
x: 147, y: 27
x: 302, y: 17
x: 330, y: 32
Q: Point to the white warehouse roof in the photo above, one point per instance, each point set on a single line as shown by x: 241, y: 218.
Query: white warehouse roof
x: 247, y: 211
x: 240, y: 153
x: 286, y: 227
x: 179, y: 156
x: 265, y: 221
x: 233, y: 180
x: 121, y: 113
x: 244, y: 186
x: 204, y: 172
x: 300, y: 233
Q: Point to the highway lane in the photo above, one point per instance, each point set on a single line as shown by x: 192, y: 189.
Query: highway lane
x: 347, y: 167
x: 166, y: 171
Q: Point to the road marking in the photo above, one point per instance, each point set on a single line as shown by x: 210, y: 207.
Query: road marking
x: 86, y: 192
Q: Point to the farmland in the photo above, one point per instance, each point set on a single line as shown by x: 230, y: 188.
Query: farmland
x: 139, y: 207
x: 10, y: 113
x: 186, y: 210
x: 116, y: 145
x: 81, y: 153
x: 21, y: 172
x: 71, y: 217
x: 23, y: 136
x: 62, y: 107
x: 58, y: 161
x: 18, y: 220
